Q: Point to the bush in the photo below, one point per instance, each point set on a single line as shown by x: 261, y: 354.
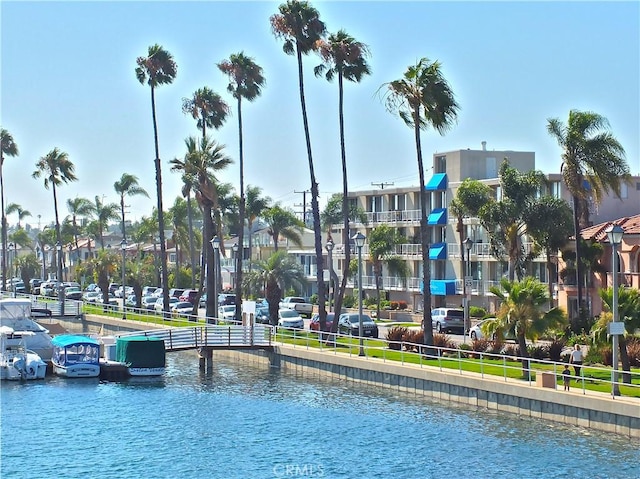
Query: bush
x: 633, y: 349
x: 414, y: 336
x: 511, y: 350
x: 480, y: 345
x: 348, y: 301
x: 555, y: 349
x: 313, y: 299
x: 464, y: 347
x: 402, y: 305
x: 495, y: 347
x: 477, y: 312
x: 537, y: 352
x: 396, y: 336
x: 443, y: 341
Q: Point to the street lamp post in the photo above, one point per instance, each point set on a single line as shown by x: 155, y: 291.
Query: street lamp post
x: 359, y: 240
x: 60, y: 288
x: 329, y: 248
x: 614, y: 234
x: 234, y: 248
x: 215, y: 243
x: 12, y: 246
x: 123, y: 247
x: 468, y: 243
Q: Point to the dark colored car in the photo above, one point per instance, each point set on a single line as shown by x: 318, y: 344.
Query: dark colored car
x: 189, y: 296
x: 314, y: 324
x: 349, y: 323
x: 226, y: 299
x: 175, y: 292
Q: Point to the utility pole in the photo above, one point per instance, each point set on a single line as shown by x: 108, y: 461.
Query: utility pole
x: 304, y: 204
x: 381, y: 185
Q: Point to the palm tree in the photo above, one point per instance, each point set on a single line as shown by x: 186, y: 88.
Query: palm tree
x: 255, y: 207
x: 283, y: 223
x: 21, y: 238
x: 79, y: 207
x: 103, y: 214
x: 522, y: 314
x: 589, y: 153
x: 245, y: 81
x: 178, y: 216
x: 202, y: 161
x: 187, y: 187
x: 8, y: 147
x: 629, y: 314
x: 207, y: 107
x: 158, y: 68
x: 16, y: 208
x: 56, y: 168
x: 382, y: 243
x: 105, y: 266
x: 299, y: 25
x: 128, y: 185
x: 274, y: 275
x: 423, y: 98
x: 345, y: 58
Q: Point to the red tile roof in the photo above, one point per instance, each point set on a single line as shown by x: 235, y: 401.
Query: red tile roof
x: 630, y: 225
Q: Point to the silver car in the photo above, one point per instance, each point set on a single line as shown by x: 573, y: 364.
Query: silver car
x: 447, y: 320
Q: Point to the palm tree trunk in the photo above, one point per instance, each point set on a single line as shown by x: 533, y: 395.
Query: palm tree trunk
x: 58, y: 253
x: 163, y: 246
x: 210, y: 266
x: 124, y: 234
x: 4, y: 227
x: 624, y: 359
x: 314, y: 195
x: 192, y: 253
x: 241, y: 212
x: 549, y: 281
x: 524, y: 355
x: 337, y: 306
x: 249, y: 231
x: 424, y: 240
x: 577, y: 323
x: 376, y: 270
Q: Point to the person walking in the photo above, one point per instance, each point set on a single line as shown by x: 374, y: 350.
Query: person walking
x: 576, y: 359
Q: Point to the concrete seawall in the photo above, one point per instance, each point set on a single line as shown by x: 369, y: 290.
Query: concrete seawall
x: 595, y: 411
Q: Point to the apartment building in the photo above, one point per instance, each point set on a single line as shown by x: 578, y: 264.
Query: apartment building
x: 400, y: 209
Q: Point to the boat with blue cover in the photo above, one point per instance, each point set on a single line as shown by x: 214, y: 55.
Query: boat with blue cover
x: 76, y: 356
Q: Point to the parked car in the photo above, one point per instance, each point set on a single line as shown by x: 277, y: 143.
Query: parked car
x: 148, y: 302
x: 112, y: 300
x: 182, y: 309
x: 91, y: 296
x: 227, y: 312
x: 113, y: 287
x: 289, y: 318
x: 159, y: 305
x: 225, y: 299
x: 476, y: 332
x: 175, y: 292
x: 262, y: 315
x: 130, y: 301
x: 148, y: 290
x: 189, y: 295
x: 314, y: 325
x: 445, y: 320
x: 34, y: 285
x: 73, y: 292
x: 349, y: 323
x: 203, y: 301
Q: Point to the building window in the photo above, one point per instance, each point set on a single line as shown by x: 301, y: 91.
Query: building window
x: 374, y: 204
x: 624, y: 190
x: 441, y: 164
x: 172, y: 257
x: 397, y: 202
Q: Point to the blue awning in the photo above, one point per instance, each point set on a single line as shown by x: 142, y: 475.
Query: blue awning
x: 437, y: 217
x: 438, y: 251
x: 443, y: 287
x: 437, y: 182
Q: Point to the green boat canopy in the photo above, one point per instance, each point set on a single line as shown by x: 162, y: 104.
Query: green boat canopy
x: 141, y: 352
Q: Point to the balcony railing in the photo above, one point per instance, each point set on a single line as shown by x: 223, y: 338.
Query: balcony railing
x: 402, y: 216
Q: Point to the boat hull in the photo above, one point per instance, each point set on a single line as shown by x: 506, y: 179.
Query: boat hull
x: 77, y: 370
x: 146, y: 371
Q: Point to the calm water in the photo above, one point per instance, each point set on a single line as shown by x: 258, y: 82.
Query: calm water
x: 250, y: 422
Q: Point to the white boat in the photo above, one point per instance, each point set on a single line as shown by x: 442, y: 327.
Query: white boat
x: 15, y: 313
x: 17, y: 363
x: 76, y: 356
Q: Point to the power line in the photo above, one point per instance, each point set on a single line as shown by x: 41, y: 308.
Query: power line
x: 381, y: 185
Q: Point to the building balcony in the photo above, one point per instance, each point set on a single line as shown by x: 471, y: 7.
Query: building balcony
x: 398, y: 218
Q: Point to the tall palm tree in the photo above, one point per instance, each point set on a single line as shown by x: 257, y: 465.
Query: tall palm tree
x: 79, y: 207
x: 16, y: 208
x: 274, y: 275
x: 522, y: 313
x: 8, y: 147
x: 207, y: 107
x: 202, y: 161
x: 255, y: 207
x: 245, y: 81
x: 128, y: 185
x: 158, y: 68
x: 187, y: 188
x: 179, y: 223
x: 103, y: 214
x: 298, y: 24
x: 56, y: 168
x: 590, y: 153
x: 283, y: 223
x: 423, y: 98
x: 345, y: 58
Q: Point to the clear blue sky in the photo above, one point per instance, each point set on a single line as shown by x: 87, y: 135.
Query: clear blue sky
x: 68, y: 81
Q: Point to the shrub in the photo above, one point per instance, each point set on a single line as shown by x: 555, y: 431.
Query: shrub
x: 495, y: 347
x: 384, y: 304
x: 415, y: 336
x: 477, y: 312
x: 443, y: 341
x: 537, y: 352
x: 313, y: 299
x: 555, y: 349
x: 348, y: 301
x: 481, y: 345
x: 396, y: 336
x: 633, y: 349
x: 464, y: 347
x: 393, y: 305
x: 402, y: 305
x: 511, y: 350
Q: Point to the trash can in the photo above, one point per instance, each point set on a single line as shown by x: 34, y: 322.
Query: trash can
x: 545, y: 379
